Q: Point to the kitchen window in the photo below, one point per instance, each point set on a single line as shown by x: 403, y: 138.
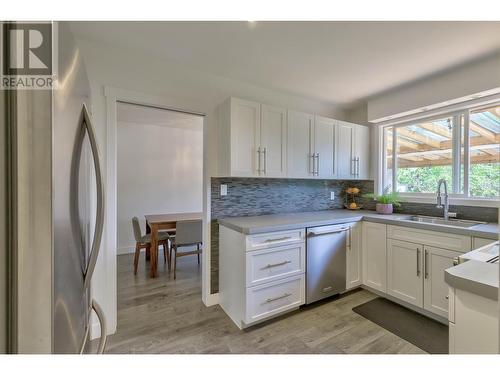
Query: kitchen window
x: 461, y: 147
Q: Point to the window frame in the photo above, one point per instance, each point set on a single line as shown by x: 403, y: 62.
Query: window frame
x: 456, y: 197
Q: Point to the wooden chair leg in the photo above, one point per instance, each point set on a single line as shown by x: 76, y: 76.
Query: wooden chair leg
x: 198, y: 249
x: 175, y: 262
x: 169, y: 254
x: 136, y: 257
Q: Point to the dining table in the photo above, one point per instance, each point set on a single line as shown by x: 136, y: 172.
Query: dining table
x: 157, y: 222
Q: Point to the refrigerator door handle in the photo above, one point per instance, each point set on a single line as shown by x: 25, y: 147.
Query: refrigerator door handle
x: 99, y: 225
x: 103, y: 325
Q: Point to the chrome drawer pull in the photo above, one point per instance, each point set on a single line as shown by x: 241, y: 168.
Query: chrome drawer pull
x: 278, y: 239
x: 277, y: 298
x: 277, y: 264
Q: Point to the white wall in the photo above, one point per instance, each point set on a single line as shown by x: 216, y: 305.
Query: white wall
x: 159, y: 170
x: 476, y: 77
x: 179, y: 87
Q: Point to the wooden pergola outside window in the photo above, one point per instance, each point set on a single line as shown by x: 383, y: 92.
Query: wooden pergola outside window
x: 444, y: 142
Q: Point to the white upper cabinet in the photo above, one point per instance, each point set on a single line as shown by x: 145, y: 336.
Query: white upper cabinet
x: 325, y: 137
x: 300, y: 144
x: 252, y: 139
x: 353, y: 152
x: 273, y: 128
x: 239, y: 139
x: 362, y: 151
x: 259, y: 140
x: 345, y: 152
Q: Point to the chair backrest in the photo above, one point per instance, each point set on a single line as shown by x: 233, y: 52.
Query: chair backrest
x: 188, y: 232
x: 137, y: 229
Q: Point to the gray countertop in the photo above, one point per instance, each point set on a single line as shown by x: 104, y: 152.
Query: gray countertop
x: 476, y: 277
x: 277, y: 222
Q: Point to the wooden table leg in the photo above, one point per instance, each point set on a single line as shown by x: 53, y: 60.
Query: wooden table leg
x: 148, y: 252
x: 154, y: 250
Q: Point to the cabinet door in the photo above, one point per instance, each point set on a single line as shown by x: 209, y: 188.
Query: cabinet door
x: 273, y: 141
x: 353, y: 259
x: 374, y: 256
x: 404, y: 271
x: 324, y: 146
x: 345, y: 151
x: 362, y: 152
x: 436, y: 291
x: 299, y: 145
x: 478, y: 242
x: 245, y: 137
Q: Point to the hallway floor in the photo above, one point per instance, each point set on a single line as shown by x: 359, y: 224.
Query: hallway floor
x: 164, y: 315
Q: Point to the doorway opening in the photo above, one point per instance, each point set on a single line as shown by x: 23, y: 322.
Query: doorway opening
x: 159, y: 185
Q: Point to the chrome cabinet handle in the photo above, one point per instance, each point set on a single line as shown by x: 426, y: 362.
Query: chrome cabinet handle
x: 265, y: 160
x: 277, y: 298
x: 426, y: 273
x: 317, y: 164
x: 357, y: 167
x: 99, y: 224
x: 258, y: 158
x: 353, y: 166
x: 278, y: 239
x: 102, y: 323
x: 277, y: 264
x: 418, y: 262
x: 313, y: 157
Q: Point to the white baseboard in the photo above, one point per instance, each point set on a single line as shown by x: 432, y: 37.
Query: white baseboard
x: 125, y: 250
x: 211, y: 299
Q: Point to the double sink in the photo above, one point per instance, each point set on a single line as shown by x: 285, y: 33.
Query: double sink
x: 440, y: 221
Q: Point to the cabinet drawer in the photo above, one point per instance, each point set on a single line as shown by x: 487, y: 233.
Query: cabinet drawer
x: 442, y: 240
x: 273, y: 239
x: 270, y: 299
x: 267, y: 265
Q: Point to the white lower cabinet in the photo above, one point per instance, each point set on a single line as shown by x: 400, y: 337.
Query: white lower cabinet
x: 436, y: 291
x: 353, y: 256
x: 473, y: 325
x: 261, y: 275
x: 415, y: 274
x: 274, y: 298
x: 404, y: 271
x: 375, y: 256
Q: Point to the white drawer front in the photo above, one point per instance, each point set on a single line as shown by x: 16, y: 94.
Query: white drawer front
x: 267, y: 265
x: 266, y: 240
x: 270, y: 299
x: 442, y: 240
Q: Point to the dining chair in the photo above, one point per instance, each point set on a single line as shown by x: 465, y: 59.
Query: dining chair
x: 189, y: 233
x: 144, y: 242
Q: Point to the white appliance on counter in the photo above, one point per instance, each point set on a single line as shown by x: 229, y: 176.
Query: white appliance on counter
x: 488, y: 254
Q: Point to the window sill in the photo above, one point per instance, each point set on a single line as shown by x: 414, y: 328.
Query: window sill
x: 454, y: 201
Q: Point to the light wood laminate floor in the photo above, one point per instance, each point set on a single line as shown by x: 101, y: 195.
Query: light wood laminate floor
x: 164, y: 315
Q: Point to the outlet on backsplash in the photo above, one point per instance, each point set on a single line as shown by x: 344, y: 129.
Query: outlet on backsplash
x: 332, y: 195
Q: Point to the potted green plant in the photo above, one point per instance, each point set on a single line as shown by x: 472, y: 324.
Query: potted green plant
x: 385, y: 202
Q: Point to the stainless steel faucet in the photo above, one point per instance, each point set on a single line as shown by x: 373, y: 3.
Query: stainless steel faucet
x: 446, y: 206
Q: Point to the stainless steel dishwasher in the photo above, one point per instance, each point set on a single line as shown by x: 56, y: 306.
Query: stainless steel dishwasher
x: 326, y: 261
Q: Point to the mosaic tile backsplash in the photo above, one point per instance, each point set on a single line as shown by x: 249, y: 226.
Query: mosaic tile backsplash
x: 262, y: 196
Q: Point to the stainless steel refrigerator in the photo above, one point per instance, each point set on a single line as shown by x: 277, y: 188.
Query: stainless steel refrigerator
x: 57, y: 210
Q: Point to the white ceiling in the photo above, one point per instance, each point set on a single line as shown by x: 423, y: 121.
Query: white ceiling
x: 142, y: 115
x: 338, y: 62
